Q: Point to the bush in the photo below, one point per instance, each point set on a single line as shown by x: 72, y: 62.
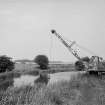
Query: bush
x: 6, y: 64
x: 43, y: 78
x: 6, y: 80
x: 42, y: 61
x: 79, y: 65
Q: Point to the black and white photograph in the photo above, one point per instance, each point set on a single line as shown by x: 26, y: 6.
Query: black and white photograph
x: 52, y: 52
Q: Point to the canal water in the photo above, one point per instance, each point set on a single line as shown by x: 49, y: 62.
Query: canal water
x: 24, y: 80
x: 56, y: 77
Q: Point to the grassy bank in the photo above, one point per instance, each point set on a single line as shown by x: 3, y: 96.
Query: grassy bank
x: 82, y: 90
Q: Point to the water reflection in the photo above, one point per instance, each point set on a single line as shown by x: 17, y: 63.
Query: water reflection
x: 24, y: 80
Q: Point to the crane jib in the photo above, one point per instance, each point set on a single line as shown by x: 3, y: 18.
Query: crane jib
x: 64, y: 42
x: 67, y: 45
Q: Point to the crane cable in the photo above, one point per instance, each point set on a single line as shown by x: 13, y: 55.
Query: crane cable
x: 51, y: 47
x: 86, y: 49
x: 81, y: 47
x: 68, y: 42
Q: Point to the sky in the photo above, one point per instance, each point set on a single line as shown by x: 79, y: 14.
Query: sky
x: 25, y: 27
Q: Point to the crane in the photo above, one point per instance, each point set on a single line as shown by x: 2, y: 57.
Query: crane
x: 69, y: 46
x: 92, y: 65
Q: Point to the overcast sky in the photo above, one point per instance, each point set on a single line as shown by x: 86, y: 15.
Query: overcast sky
x: 25, y: 27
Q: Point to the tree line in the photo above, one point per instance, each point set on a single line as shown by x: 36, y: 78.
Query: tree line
x: 7, y: 64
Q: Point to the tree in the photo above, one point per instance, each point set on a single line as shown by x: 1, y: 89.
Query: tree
x: 42, y: 61
x: 79, y: 65
x: 6, y: 64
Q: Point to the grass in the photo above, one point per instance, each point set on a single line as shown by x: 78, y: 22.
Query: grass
x: 81, y: 90
x: 26, y: 68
